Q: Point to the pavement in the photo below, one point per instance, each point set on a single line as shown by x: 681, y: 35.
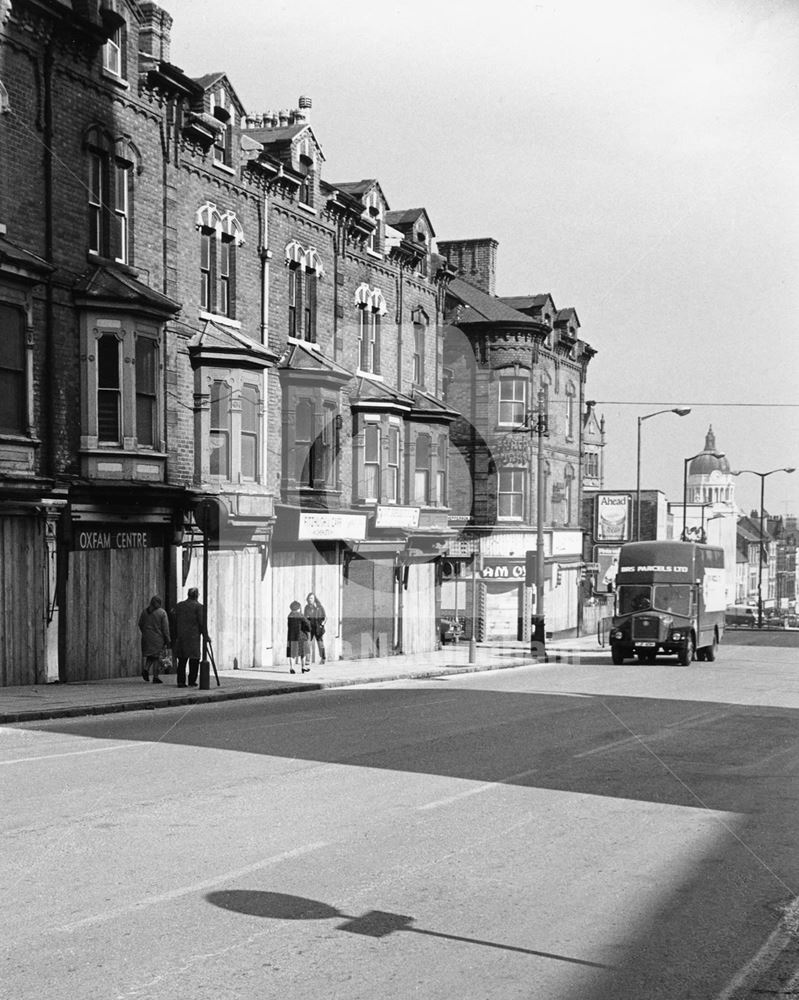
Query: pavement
x: 132, y: 694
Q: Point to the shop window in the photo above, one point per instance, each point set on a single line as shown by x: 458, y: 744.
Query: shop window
x: 250, y: 431
x: 146, y: 392
x: 510, y: 490
x: 110, y: 196
x: 109, y: 391
x: 421, y: 474
x: 371, y: 462
x: 219, y: 464
x: 512, y: 401
x: 13, y: 379
x: 392, y: 480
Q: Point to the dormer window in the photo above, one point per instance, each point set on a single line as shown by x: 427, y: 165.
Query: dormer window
x: 374, y: 213
x: 224, y: 114
x: 305, y: 193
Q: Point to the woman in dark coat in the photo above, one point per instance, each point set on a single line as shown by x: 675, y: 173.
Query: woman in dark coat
x: 315, y: 613
x: 297, y: 640
x: 154, y: 628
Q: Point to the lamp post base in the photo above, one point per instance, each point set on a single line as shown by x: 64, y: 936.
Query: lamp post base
x: 538, y: 643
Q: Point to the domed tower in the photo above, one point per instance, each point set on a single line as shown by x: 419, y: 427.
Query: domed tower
x: 709, y: 477
x: 711, y: 511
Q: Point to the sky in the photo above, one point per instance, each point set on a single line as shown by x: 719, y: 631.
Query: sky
x: 637, y: 159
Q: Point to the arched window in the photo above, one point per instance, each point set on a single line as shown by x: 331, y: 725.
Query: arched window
x: 304, y: 269
x: 371, y: 307
x: 221, y: 234
x: 111, y: 167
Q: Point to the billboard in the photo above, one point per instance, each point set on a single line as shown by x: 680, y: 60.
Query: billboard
x: 613, y: 517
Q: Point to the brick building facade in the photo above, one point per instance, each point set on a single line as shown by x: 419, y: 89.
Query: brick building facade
x: 219, y: 368
x: 512, y: 362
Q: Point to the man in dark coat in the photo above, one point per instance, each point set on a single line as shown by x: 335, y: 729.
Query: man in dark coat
x: 189, y: 620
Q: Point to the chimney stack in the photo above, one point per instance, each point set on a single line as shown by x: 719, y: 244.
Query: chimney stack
x: 155, y: 34
x: 474, y: 260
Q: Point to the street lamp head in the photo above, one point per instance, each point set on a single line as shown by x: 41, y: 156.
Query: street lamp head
x: 789, y: 470
x: 681, y: 411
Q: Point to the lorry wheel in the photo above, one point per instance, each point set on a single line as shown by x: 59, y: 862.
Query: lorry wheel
x: 711, y: 650
x: 687, y: 652
x: 617, y: 655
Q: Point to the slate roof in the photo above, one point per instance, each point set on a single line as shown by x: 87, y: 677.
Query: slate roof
x: 106, y: 283
x: 301, y: 357
x: 521, y: 302
x: 484, y: 308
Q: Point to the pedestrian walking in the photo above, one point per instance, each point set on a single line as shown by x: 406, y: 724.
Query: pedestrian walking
x: 315, y: 613
x: 189, y: 620
x: 299, y: 630
x: 155, y: 638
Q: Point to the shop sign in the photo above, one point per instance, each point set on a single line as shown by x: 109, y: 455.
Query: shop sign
x: 502, y: 569
x: 86, y: 538
x: 332, y: 526
x: 396, y: 517
x: 612, y: 517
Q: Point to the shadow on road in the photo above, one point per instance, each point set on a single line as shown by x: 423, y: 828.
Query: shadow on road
x: 714, y: 913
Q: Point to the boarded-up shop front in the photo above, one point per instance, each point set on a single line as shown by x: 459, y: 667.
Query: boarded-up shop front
x: 27, y: 581
x: 419, y: 634
x: 369, y: 607
x: 236, y: 598
x: 112, y: 571
x: 303, y: 568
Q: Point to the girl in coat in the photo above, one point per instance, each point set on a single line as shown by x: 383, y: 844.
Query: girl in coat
x: 315, y: 613
x: 297, y: 639
x: 154, y: 628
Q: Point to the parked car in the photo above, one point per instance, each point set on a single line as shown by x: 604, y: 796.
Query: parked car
x: 740, y: 616
x: 449, y: 629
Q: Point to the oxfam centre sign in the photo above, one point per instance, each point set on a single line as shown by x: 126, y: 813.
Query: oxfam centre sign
x: 612, y: 517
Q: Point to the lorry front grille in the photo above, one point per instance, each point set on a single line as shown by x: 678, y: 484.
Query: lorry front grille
x: 646, y: 627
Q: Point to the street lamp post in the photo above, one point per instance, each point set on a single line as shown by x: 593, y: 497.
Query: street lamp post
x: 715, y: 454
x: 762, y: 547
x: 681, y: 412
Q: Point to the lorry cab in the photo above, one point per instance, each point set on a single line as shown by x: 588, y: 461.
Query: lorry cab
x: 667, y: 595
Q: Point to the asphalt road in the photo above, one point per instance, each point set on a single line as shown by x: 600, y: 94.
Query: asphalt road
x: 570, y: 831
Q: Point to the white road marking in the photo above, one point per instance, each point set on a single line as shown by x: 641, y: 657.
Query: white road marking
x: 476, y: 791
x: 188, y: 890
x: 77, y: 753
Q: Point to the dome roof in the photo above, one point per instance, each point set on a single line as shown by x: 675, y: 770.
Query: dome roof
x: 707, y: 462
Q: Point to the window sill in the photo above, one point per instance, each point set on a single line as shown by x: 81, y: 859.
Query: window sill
x: 374, y: 253
x: 305, y: 343
x: 221, y: 320
x: 115, y: 79
x: 18, y: 439
x: 225, y: 168
x: 306, y: 208
x: 362, y: 373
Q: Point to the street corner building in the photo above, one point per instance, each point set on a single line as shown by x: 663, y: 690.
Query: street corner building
x: 221, y: 369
